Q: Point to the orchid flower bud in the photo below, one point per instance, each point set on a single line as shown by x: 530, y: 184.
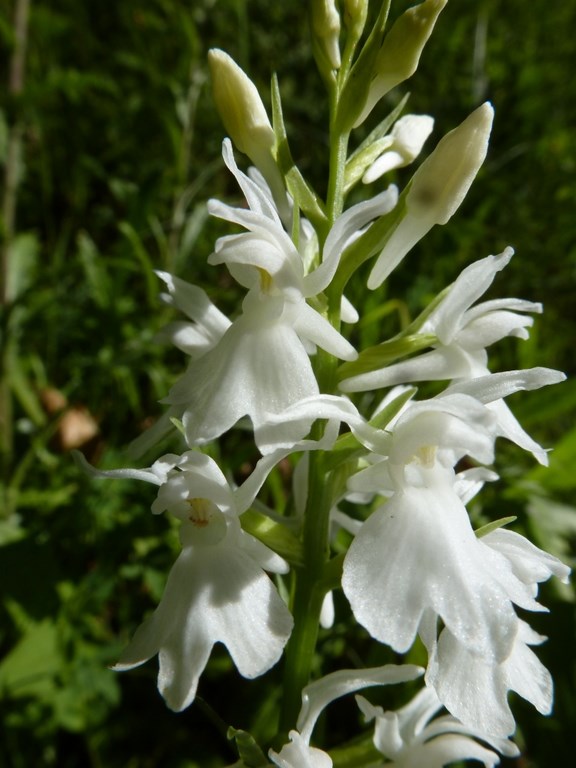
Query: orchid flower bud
x: 407, y: 139
x: 326, y: 32
x: 355, y: 13
x: 241, y: 109
x: 437, y: 188
x: 444, y: 178
x: 401, y: 50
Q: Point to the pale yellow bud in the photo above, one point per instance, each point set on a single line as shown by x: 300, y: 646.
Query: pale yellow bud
x: 406, y: 141
x: 241, y: 109
x: 355, y: 13
x: 442, y: 181
x: 437, y: 188
x: 401, y: 50
x: 326, y: 30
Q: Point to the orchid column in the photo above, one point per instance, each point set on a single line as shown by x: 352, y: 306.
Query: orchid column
x: 380, y: 483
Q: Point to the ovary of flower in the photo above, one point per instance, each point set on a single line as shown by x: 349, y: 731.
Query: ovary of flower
x: 437, y: 188
x: 406, y: 141
x: 409, y: 738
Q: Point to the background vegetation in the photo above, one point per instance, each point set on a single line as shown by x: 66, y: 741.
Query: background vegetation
x: 110, y: 146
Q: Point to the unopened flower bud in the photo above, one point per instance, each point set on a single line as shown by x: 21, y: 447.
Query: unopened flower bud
x: 407, y: 139
x: 437, y: 188
x: 355, y: 13
x: 241, y: 109
x: 401, y: 50
x: 444, y: 178
x: 326, y: 31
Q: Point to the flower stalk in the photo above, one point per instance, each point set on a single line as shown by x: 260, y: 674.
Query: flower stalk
x: 379, y: 494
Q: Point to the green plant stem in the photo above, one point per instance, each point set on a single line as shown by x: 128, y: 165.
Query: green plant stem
x: 308, y: 593
x: 309, y: 589
x: 335, y: 198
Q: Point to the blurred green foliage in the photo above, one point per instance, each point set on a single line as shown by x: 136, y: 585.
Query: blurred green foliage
x: 119, y: 150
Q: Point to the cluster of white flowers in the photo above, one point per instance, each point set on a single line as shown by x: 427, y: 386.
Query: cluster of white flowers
x: 415, y: 566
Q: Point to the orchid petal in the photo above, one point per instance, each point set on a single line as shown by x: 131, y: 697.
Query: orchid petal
x: 317, y: 695
x: 298, y: 754
x: 347, y: 225
x: 312, y: 326
x: 213, y: 594
x: 447, y: 570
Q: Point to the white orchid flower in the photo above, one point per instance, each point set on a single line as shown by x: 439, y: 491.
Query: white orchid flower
x: 318, y: 695
x: 299, y: 754
x: 492, y: 388
x: 218, y: 589
x: 405, y: 143
x: 409, y: 738
x: 260, y: 365
x: 463, y: 331
x: 418, y: 552
x: 473, y: 686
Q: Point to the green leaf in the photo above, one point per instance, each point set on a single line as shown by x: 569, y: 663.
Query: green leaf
x: 143, y: 257
x: 249, y: 751
x: 381, y: 355
x: 274, y: 535
x: 26, y: 392
x: 357, y: 86
x: 304, y: 196
x: 94, y: 270
x: 21, y: 264
x: 31, y: 666
x: 493, y: 526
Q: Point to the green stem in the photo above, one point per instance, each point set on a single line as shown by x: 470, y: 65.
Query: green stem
x: 308, y: 586
x: 335, y: 198
x: 308, y: 593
